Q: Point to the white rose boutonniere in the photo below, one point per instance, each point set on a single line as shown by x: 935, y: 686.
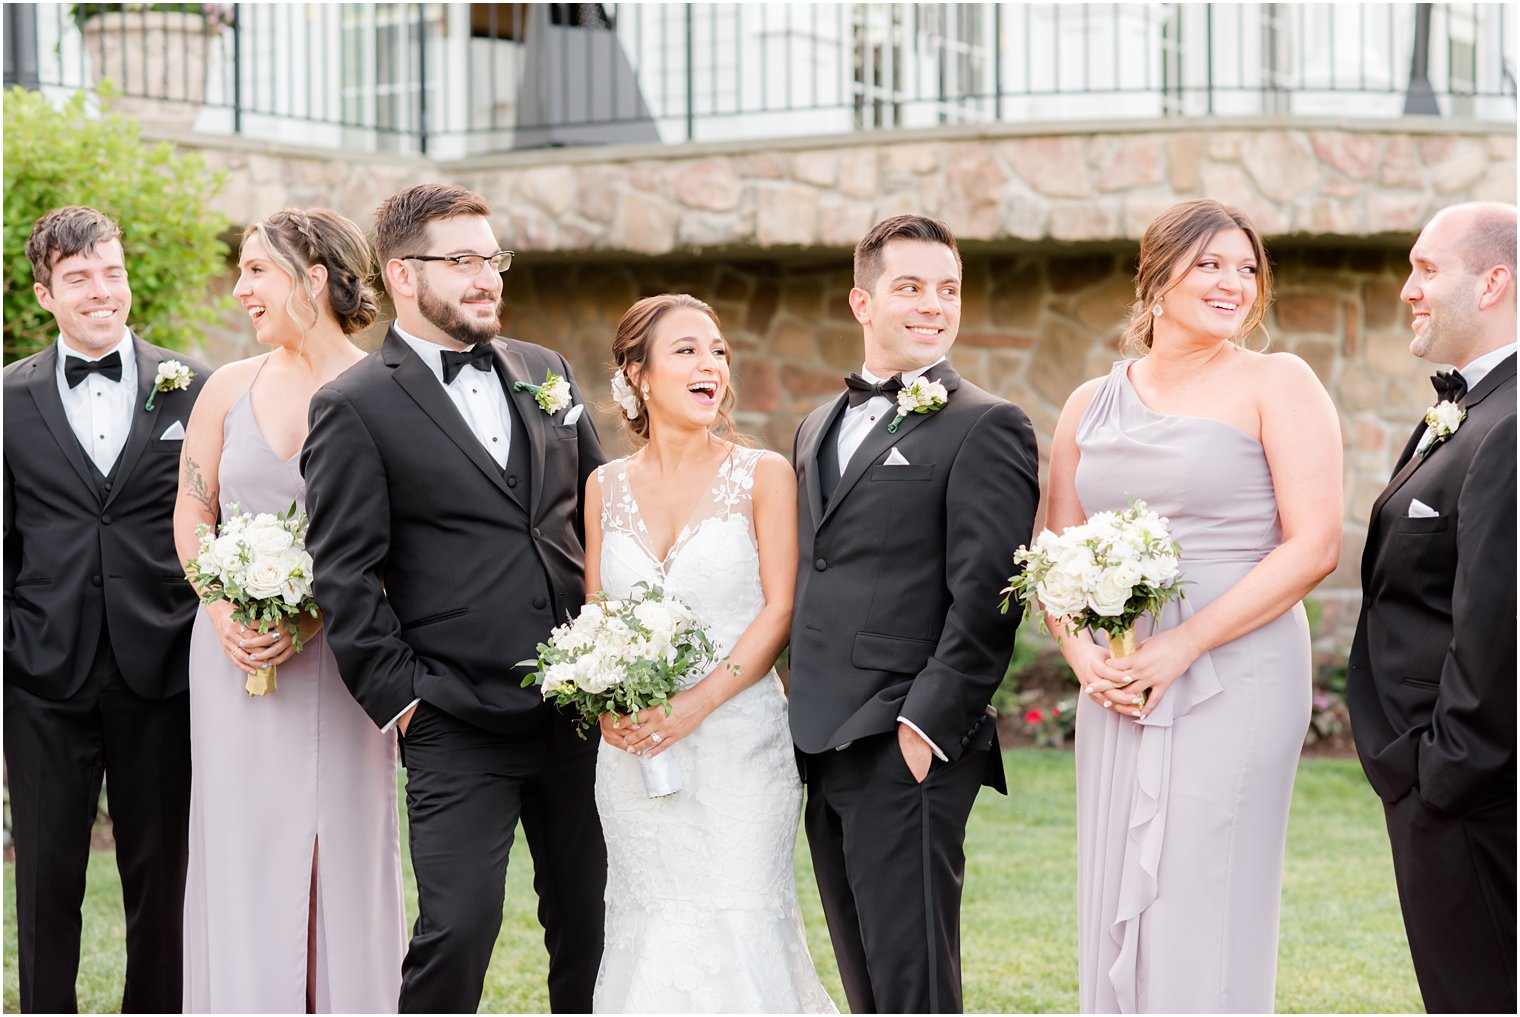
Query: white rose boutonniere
x: 920, y: 396
x: 171, y: 375
x: 1442, y: 419
x: 552, y: 396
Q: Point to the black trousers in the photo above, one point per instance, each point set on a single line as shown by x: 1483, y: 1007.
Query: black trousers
x: 56, y: 753
x: 466, y: 789
x: 1456, y: 879
x: 888, y: 854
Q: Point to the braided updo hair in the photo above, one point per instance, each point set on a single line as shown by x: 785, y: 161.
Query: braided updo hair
x: 297, y: 239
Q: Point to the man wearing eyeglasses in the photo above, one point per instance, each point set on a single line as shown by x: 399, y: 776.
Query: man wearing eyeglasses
x: 444, y: 490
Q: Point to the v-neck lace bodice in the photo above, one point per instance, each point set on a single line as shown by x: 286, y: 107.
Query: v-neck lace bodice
x: 714, y: 564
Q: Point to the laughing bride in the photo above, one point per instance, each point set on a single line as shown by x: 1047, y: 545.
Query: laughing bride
x: 702, y: 911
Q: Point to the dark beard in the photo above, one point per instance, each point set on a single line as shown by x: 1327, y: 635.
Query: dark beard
x: 451, y: 320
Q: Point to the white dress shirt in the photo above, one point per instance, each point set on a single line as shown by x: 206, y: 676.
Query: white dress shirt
x: 99, y: 409
x: 481, y: 401
x: 857, y: 422
x: 478, y: 395
x: 1474, y: 373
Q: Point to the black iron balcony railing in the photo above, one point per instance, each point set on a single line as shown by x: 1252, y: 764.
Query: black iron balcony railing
x: 453, y: 80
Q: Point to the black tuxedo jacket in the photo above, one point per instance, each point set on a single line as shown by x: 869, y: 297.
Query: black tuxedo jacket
x: 434, y: 573
x: 896, y: 612
x: 76, y: 543
x: 1431, y: 682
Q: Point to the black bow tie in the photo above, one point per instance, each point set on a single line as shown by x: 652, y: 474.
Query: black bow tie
x: 861, y: 391
x: 478, y: 357
x: 77, y: 369
x: 1450, y: 386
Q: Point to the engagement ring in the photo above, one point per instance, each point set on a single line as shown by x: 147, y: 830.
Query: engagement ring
x: 656, y: 738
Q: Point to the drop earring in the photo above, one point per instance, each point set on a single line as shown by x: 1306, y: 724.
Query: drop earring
x: 1156, y: 309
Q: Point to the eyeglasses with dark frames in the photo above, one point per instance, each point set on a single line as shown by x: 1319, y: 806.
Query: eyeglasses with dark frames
x: 467, y: 264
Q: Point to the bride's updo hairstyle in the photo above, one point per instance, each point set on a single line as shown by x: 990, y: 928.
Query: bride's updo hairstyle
x: 630, y: 346
x: 1179, y: 234
x: 297, y: 240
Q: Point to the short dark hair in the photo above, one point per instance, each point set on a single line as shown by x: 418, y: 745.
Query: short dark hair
x: 63, y: 233
x: 898, y: 227
x: 401, y: 220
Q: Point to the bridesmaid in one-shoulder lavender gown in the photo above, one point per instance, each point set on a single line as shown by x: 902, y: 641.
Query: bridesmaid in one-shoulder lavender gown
x: 293, y: 899
x: 1187, y: 749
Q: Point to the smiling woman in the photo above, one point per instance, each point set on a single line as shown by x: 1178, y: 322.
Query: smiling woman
x: 1187, y: 746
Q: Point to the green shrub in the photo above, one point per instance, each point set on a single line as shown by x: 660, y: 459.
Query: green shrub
x: 160, y: 198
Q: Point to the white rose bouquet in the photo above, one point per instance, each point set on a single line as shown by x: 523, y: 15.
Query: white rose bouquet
x: 1102, y: 574
x: 622, y: 656
x: 260, y: 565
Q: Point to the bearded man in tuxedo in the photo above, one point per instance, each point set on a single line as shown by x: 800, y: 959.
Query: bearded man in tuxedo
x: 911, y: 504
x: 97, y: 620
x: 445, y: 506
x: 1431, y: 681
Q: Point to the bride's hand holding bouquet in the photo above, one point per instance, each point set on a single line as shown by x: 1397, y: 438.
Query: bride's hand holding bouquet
x: 1105, y: 574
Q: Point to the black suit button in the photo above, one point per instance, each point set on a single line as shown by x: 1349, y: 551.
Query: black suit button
x: 106, y: 518
x: 820, y: 564
x: 536, y: 534
x: 511, y: 481
x: 108, y: 485
x: 966, y: 741
x: 539, y: 603
x: 94, y: 580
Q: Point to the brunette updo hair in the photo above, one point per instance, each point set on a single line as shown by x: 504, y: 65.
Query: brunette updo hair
x: 630, y: 346
x: 1177, y: 234
x: 297, y: 239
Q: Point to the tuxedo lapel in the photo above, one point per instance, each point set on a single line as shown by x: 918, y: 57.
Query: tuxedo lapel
x: 514, y: 370
x: 880, y: 439
x: 143, y: 421
x: 1490, y: 383
x: 43, y: 385
x: 816, y: 430
x: 422, y: 385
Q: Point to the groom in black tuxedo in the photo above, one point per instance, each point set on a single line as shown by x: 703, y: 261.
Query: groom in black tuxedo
x: 97, y: 621
x: 908, y: 522
x: 446, y: 525
x: 1431, y: 683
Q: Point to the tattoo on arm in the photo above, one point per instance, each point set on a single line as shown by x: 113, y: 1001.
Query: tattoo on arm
x: 195, y: 486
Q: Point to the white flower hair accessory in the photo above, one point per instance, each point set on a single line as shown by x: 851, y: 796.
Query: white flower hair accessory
x: 171, y: 375
x: 623, y: 392
x: 1442, y: 421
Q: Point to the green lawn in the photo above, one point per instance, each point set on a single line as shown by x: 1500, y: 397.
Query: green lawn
x: 1342, y: 948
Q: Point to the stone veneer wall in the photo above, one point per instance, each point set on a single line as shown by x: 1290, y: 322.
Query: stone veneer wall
x: 1034, y: 326
x: 1048, y: 223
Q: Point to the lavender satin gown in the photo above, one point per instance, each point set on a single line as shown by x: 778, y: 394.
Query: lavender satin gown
x: 271, y: 777
x: 1182, y: 818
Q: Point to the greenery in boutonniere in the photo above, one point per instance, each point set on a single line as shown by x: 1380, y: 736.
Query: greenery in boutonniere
x: 1443, y: 419
x: 552, y: 396
x: 919, y: 396
x: 171, y: 375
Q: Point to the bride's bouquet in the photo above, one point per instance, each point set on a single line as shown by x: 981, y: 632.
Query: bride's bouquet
x: 622, y: 656
x: 260, y: 565
x: 1102, y: 574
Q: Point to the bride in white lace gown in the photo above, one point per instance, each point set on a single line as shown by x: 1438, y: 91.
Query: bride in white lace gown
x: 702, y: 911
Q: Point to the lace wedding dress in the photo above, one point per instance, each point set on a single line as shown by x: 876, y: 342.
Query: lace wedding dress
x: 702, y: 909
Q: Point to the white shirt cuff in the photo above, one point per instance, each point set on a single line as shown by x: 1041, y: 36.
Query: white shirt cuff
x: 937, y: 753
x: 414, y: 702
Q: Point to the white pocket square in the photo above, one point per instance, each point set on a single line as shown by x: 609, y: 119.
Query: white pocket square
x: 174, y: 432
x: 1419, y: 510
x: 896, y: 458
x: 575, y: 413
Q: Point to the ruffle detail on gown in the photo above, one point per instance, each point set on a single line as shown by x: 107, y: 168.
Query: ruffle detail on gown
x: 1147, y: 811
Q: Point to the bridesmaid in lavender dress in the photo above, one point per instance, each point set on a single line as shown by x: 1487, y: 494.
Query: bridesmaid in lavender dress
x: 293, y: 896
x: 1187, y: 748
